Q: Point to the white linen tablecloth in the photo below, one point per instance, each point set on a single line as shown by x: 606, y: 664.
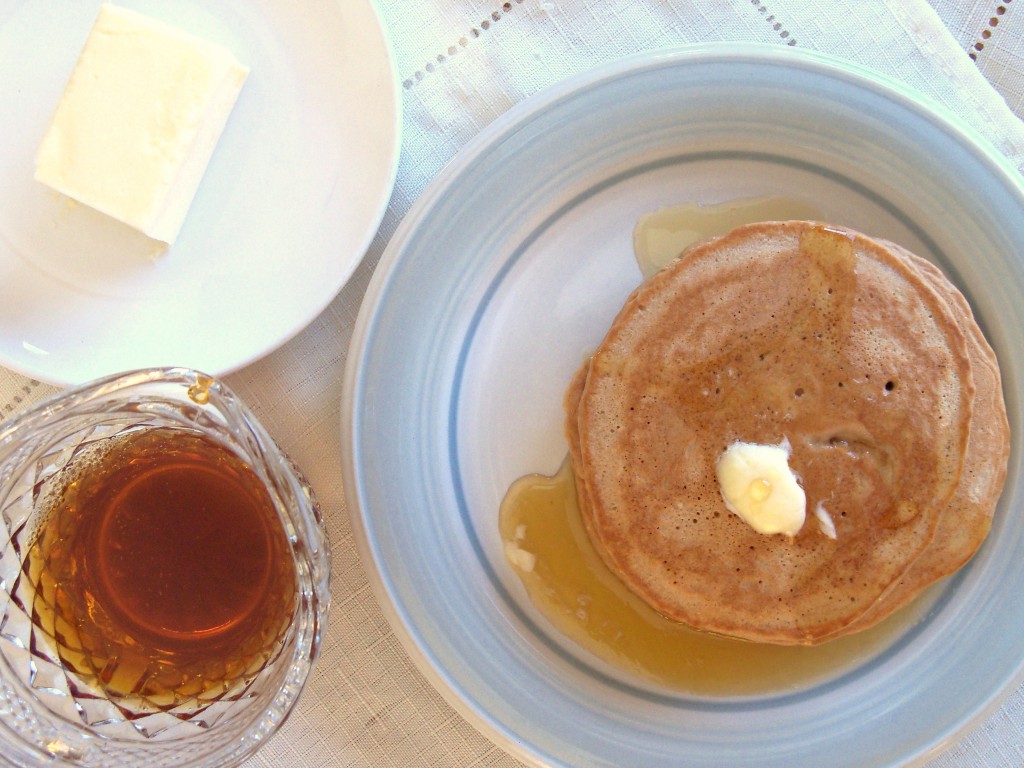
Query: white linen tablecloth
x: 461, y: 64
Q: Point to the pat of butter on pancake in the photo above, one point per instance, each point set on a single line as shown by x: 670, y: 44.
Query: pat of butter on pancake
x: 758, y: 486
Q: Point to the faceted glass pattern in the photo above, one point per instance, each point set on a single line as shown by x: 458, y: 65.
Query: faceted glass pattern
x: 53, y: 708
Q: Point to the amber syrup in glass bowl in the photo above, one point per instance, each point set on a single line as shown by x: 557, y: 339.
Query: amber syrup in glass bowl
x: 162, y: 570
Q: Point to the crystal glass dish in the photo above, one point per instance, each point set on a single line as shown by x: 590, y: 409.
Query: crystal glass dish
x: 51, y: 715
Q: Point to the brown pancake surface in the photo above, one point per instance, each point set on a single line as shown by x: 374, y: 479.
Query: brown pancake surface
x: 782, y: 331
x: 967, y: 518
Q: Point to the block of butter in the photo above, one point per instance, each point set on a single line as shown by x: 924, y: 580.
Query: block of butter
x: 139, y: 120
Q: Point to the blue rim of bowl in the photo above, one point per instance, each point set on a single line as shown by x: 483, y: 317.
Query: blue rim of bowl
x: 354, y: 384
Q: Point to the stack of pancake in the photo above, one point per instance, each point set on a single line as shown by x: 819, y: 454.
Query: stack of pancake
x: 859, y: 356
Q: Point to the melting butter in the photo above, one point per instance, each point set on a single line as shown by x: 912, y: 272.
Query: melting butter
x: 825, y: 523
x: 758, y: 486
x: 660, y: 236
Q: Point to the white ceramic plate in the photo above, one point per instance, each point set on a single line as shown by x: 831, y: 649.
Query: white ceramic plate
x: 512, y: 265
x: 289, y: 204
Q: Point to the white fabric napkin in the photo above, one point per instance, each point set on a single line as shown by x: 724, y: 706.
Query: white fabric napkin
x: 462, y: 63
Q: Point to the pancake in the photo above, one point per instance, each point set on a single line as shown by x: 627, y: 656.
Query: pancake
x: 781, y: 332
x: 965, y: 522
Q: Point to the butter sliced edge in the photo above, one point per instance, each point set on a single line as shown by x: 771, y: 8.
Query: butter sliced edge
x: 139, y: 120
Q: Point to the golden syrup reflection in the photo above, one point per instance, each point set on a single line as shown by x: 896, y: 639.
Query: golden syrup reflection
x: 162, y: 574
x: 565, y: 578
x: 661, y: 235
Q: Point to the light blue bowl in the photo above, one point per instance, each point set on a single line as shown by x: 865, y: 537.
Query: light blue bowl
x: 511, y: 266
